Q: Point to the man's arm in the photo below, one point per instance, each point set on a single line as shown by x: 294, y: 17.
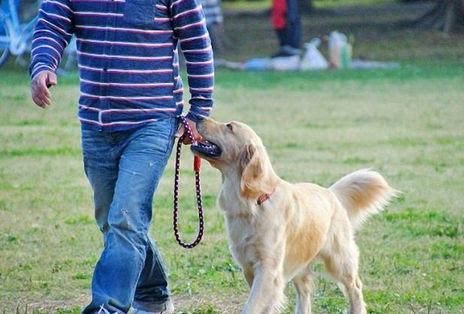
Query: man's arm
x: 52, y: 34
x: 190, y: 27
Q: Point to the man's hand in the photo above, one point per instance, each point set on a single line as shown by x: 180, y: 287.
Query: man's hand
x: 39, y: 88
x: 195, y: 133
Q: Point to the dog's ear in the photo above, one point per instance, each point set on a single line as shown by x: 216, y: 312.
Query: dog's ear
x: 255, y: 179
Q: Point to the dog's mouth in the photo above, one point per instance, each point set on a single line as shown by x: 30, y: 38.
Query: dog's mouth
x: 206, y: 148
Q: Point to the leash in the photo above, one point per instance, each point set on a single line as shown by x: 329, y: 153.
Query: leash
x: 196, y: 169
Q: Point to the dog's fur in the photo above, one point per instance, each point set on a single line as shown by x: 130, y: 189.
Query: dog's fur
x: 277, y: 241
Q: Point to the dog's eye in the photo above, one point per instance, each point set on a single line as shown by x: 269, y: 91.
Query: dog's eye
x: 229, y: 126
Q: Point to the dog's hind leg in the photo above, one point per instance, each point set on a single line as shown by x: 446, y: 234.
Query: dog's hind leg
x: 303, y: 283
x: 341, y: 261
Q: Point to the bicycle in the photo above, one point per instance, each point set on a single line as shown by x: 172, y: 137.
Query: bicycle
x: 16, y: 35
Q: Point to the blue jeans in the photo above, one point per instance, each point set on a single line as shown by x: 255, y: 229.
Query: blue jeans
x: 124, y: 169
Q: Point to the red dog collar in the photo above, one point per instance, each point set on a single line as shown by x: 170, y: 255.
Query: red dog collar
x: 264, y: 197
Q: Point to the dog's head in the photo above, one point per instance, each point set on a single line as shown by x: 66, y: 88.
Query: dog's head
x: 240, y: 151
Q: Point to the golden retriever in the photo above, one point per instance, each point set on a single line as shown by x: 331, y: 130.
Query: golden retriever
x: 277, y: 229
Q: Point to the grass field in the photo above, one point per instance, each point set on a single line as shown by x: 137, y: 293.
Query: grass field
x: 405, y: 122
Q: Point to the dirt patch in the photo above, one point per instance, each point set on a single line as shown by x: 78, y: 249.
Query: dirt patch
x: 220, y: 303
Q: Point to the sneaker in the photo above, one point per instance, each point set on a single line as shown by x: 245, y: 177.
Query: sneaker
x: 168, y: 309
x: 102, y: 310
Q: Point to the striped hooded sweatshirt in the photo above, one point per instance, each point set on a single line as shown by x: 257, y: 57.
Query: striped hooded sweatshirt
x: 128, y: 58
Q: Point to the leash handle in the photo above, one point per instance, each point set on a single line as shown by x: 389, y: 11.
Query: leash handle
x: 196, y: 163
x: 196, y: 168
x: 188, y: 130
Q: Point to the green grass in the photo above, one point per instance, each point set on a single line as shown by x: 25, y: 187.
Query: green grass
x: 317, y: 126
x: 406, y: 122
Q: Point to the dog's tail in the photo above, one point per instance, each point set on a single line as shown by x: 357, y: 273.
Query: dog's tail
x: 363, y: 193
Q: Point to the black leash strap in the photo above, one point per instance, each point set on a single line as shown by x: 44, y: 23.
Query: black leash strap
x: 196, y: 168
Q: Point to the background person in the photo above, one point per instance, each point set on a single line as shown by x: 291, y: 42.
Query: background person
x: 286, y: 21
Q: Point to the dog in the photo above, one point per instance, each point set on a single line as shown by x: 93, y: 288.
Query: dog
x: 278, y: 229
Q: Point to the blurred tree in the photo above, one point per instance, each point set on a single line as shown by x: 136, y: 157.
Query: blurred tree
x: 445, y: 16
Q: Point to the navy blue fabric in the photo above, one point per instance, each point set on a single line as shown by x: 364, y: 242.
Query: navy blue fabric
x: 128, y: 58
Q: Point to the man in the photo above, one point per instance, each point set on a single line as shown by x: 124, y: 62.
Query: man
x: 287, y: 24
x: 131, y: 97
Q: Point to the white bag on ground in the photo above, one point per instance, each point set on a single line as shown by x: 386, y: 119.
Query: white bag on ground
x: 313, y: 59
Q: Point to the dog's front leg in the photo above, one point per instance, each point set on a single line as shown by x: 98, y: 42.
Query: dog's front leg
x: 267, y: 292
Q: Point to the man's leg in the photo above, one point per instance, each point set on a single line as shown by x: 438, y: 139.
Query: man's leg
x: 152, y: 291
x: 143, y: 157
x: 101, y: 169
x: 293, y: 26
